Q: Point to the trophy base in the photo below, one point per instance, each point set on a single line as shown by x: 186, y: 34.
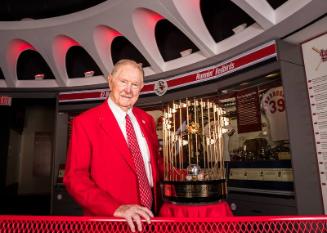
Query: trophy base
x: 194, y: 191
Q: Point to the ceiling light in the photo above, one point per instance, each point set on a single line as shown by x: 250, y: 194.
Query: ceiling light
x: 244, y: 83
x: 272, y: 75
x: 239, y: 28
x: 185, y: 52
x: 88, y: 74
x: 39, y: 76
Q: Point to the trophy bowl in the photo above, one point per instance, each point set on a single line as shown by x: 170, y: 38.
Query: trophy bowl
x: 193, y: 152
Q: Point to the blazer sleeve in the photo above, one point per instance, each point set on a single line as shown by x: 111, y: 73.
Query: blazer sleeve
x: 77, y: 177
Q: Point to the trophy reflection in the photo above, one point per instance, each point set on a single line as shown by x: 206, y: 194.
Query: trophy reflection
x: 193, y: 152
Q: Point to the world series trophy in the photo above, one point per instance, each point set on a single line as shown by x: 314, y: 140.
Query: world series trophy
x: 193, y: 152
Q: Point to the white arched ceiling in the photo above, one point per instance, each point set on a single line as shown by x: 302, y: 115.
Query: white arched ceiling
x: 14, y: 50
x: 260, y: 11
x: 91, y: 30
x: 189, y: 11
x: 61, y: 44
x: 103, y: 38
x: 144, y: 22
x: 293, y: 6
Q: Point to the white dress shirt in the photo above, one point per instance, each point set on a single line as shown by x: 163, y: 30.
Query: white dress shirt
x: 120, y: 117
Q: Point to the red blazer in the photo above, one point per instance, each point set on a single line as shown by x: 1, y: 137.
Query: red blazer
x: 100, y: 174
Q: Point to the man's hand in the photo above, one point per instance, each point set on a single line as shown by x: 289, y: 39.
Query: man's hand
x: 134, y: 213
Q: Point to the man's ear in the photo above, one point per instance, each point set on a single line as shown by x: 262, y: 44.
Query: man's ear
x: 110, y: 80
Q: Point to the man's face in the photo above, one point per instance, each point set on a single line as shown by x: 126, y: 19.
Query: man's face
x: 125, y: 86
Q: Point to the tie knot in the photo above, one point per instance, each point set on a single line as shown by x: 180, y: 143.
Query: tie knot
x: 128, y: 123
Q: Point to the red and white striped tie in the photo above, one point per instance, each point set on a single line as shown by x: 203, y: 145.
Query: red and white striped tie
x: 144, y: 186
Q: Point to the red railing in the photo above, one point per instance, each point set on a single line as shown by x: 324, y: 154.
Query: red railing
x: 42, y: 224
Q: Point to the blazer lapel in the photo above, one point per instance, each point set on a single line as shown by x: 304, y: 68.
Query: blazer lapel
x: 110, y: 125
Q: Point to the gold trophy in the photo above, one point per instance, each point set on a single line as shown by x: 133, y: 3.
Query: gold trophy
x: 193, y: 152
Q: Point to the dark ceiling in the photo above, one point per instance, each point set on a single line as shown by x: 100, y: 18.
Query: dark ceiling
x: 13, y: 10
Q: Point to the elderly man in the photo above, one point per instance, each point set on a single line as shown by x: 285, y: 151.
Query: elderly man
x: 111, y: 166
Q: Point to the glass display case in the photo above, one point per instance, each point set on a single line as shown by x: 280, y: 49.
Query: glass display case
x: 256, y: 142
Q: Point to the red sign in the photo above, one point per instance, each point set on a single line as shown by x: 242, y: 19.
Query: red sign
x: 5, y: 100
x: 244, y: 60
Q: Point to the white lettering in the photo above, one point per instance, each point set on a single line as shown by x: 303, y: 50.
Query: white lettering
x: 205, y: 75
x: 224, y: 68
x: 217, y: 71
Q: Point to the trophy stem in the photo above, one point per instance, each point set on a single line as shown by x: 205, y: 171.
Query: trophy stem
x: 180, y: 149
x: 196, y: 135
x: 165, y: 145
x: 221, y: 146
x: 215, y: 133
x: 174, y: 139
x: 203, y: 138
x: 188, y: 135
x: 209, y: 136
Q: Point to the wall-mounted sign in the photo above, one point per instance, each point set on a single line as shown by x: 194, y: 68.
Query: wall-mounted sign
x: 248, y: 111
x: 315, y: 63
x: 237, y: 63
x: 5, y: 101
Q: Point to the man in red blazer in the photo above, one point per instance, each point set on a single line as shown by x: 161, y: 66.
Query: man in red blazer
x: 100, y: 172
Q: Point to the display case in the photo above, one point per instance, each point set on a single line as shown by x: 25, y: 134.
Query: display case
x: 256, y: 140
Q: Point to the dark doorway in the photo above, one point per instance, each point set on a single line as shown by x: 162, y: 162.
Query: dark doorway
x: 25, y: 177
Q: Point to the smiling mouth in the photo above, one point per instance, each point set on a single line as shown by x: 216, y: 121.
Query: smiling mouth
x: 126, y: 97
